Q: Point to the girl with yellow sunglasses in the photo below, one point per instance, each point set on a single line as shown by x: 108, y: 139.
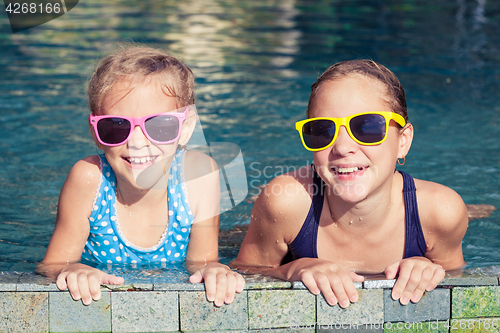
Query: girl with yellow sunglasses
x: 350, y: 214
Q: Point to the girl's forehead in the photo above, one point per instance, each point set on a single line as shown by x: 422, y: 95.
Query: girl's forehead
x: 127, y: 96
x: 349, y: 95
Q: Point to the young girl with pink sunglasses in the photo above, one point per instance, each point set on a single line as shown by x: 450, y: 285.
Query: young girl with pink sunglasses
x: 145, y: 199
x: 351, y: 213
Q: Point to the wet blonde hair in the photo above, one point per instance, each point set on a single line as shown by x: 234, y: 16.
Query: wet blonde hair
x: 141, y: 64
x: 367, y: 68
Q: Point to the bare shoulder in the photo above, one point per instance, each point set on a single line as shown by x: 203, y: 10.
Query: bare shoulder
x: 285, y: 202
x: 86, y: 172
x: 81, y: 185
x: 444, y: 220
x: 440, y: 203
x: 78, y: 192
x: 277, y: 217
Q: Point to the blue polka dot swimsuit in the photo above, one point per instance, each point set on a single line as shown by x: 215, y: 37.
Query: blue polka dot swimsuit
x: 106, y: 243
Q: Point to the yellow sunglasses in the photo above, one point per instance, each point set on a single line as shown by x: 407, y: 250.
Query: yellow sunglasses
x: 366, y: 128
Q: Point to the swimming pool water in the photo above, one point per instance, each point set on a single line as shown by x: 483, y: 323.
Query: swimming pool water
x: 254, y: 63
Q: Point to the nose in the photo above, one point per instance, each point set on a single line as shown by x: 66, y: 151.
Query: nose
x: 138, y: 139
x: 344, y: 144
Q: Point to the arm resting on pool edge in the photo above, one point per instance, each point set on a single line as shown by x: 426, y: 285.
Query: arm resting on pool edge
x: 271, y: 230
x: 203, y: 189
x: 220, y: 281
x: 61, y: 261
x: 444, y: 219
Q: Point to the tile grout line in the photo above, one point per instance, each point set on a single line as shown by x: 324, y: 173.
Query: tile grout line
x: 451, y: 306
x: 48, y: 310
x: 178, y: 309
x: 248, y: 309
x: 110, y: 310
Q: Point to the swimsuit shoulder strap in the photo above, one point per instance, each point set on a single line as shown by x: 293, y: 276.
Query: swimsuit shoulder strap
x: 305, y: 244
x: 415, y: 241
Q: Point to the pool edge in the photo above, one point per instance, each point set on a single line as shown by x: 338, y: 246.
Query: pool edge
x: 31, y: 303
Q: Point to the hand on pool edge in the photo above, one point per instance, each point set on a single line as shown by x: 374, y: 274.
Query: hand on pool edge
x: 327, y: 278
x: 415, y: 276
x: 84, y: 282
x: 221, y: 282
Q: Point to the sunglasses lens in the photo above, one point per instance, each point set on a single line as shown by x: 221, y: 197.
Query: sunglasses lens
x: 319, y: 133
x: 113, y: 130
x: 368, y: 128
x: 164, y: 128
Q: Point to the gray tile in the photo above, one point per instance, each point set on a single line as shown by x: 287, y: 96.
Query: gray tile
x: 379, y: 284
x: 423, y: 327
x: 24, y: 312
x: 258, y: 281
x: 179, y: 286
x: 196, y: 313
x: 281, y: 308
x: 300, y: 285
x: 9, y: 280
x: 129, y: 287
x: 434, y: 305
x: 286, y: 330
x: 138, y: 311
x: 30, y: 281
x: 470, y: 281
x: 369, y: 309
x: 67, y: 315
x: 351, y: 328
x: 268, y: 285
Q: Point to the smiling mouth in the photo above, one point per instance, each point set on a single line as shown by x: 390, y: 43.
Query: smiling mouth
x: 346, y: 170
x: 140, y: 160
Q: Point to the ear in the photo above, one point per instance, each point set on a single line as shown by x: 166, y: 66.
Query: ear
x: 92, y: 134
x: 188, y: 125
x: 405, y: 140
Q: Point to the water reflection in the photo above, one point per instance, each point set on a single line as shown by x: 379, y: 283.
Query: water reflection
x: 254, y: 62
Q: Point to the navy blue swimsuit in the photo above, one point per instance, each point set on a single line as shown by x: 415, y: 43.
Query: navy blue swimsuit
x: 305, y: 244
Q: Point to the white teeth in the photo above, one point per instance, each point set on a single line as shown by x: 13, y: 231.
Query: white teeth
x: 346, y: 170
x: 141, y: 160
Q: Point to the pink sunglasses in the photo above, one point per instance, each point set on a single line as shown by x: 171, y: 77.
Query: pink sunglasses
x: 161, y: 128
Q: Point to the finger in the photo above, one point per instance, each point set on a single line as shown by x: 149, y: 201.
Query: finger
x: 240, y: 283
x: 111, y: 279
x: 350, y: 289
x: 196, y: 277
x: 325, y: 286
x: 61, y: 281
x: 425, y: 278
x: 391, y: 271
x: 72, y: 283
x: 438, y: 276
x: 83, y: 286
x: 400, y: 284
x: 355, y: 277
x: 94, y: 287
x: 230, y: 288
x: 210, y: 286
x: 414, y: 281
x: 311, y: 284
x: 220, y: 293
x: 337, y: 284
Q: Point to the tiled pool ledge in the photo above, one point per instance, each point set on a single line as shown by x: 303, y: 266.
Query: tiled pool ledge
x: 31, y: 303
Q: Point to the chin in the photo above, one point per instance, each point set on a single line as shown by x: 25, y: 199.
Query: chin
x: 152, y: 177
x: 352, y: 194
